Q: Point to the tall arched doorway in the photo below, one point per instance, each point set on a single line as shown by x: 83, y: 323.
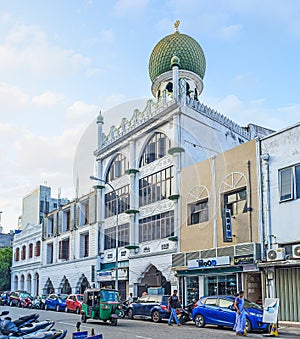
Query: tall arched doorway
x: 16, y: 283
x: 22, y: 282
x: 29, y: 283
x: 37, y: 284
x: 82, y: 284
x: 48, y: 288
x: 152, y: 277
x: 65, y: 286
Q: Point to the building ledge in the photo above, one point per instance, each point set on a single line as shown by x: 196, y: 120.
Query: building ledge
x: 174, y: 150
x: 132, y: 211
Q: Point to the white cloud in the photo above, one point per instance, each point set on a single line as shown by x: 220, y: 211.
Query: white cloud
x: 129, y: 7
x: 47, y: 99
x: 81, y: 110
x: 12, y: 97
x: 25, y: 48
x: 230, y: 32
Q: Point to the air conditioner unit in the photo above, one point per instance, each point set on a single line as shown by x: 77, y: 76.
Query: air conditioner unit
x: 276, y: 254
x: 296, y: 251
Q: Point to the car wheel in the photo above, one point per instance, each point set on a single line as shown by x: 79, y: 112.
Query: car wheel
x: 248, y: 325
x: 11, y: 304
x: 199, y: 320
x: 155, y: 317
x: 130, y: 313
x: 57, y: 308
x: 46, y: 307
x: 83, y: 318
x: 19, y: 304
x: 77, y: 310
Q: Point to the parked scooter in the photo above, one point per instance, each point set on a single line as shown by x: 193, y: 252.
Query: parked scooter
x: 8, y: 327
x: 22, y: 321
x: 123, y: 309
x: 53, y: 334
x: 186, y: 313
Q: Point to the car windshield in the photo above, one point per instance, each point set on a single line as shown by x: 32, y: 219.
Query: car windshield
x: 80, y: 297
x: 24, y: 295
x: 252, y: 304
x: 109, y: 296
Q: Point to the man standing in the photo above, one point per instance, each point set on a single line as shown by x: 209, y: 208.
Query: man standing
x: 240, y: 322
x: 173, y: 303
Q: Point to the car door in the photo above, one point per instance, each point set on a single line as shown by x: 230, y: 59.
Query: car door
x: 225, y: 313
x: 211, y: 312
x: 71, y: 303
x: 53, y: 301
x: 151, y: 302
x: 140, y: 305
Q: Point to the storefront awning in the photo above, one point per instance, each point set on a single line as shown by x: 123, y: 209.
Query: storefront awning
x: 209, y: 271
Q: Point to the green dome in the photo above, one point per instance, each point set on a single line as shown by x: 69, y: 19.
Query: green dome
x: 184, y: 47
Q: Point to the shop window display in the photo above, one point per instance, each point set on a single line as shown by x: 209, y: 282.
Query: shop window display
x: 217, y: 285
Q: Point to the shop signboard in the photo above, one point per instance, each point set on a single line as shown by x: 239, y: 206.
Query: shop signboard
x: 243, y: 259
x: 122, y: 274
x: 104, y: 276
x: 208, y: 262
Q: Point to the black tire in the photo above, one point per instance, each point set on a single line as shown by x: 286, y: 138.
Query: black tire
x: 182, y: 320
x: 19, y: 304
x: 46, y: 307
x: 130, y: 313
x: 248, y: 325
x: 11, y: 304
x: 155, y: 316
x: 77, y: 310
x: 121, y: 313
x: 83, y: 318
x: 114, y: 321
x: 199, y: 320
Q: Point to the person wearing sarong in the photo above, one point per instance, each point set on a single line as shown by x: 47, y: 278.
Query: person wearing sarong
x: 240, y: 321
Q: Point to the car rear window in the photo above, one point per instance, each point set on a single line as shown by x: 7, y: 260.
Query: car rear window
x: 225, y: 302
x: 80, y: 297
x: 210, y: 301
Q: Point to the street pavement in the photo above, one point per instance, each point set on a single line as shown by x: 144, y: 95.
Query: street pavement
x: 139, y: 329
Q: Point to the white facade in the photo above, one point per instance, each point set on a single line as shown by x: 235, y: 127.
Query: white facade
x: 27, y: 254
x: 280, y: 151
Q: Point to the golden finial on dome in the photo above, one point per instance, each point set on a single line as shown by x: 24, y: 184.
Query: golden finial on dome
x: 176, y: 25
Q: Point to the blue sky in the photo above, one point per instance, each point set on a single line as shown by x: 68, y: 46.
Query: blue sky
x: 63, y: 61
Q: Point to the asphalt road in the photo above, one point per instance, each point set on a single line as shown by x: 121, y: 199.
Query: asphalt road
x: 132, y: 329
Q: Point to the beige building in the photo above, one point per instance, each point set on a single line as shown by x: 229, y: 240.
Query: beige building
x: 219, y: 233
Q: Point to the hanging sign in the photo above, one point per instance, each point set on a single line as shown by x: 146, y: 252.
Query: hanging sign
x: 271, y: 307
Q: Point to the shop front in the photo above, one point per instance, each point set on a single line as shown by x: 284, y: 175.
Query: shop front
x: 107, y: 278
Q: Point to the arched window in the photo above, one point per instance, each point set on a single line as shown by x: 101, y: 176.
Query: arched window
x: 155, y: 149
x: 38, y: 248
x: 118, y: 167
x: 30, y: 250
x: 23, y: 253
x: 17, y: 254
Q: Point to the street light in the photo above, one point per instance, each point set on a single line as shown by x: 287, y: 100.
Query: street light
x: 117, y: 227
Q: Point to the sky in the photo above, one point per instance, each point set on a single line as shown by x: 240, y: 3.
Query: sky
x: 62, y: 61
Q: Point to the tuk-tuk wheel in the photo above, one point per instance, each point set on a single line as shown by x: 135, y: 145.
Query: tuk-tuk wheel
x: 83, y: 318
x: 113, y: 321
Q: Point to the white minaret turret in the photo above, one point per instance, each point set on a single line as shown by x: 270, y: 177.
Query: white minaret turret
x: 175, y: 63
x: 100, y: 122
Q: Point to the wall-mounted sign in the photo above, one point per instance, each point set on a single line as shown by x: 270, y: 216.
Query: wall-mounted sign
x: 122, y: 274
x: 244, y: 259
x: 208, y: 262
x: 104, y: 276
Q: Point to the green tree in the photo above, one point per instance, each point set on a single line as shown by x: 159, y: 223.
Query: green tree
x: 5, y: 264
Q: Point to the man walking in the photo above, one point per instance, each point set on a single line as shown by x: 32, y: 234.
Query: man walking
x: 173, y: 304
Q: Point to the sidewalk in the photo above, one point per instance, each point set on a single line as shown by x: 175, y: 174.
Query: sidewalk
x: 289, y: 329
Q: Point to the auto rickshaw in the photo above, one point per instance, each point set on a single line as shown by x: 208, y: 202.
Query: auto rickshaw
x: 100, y: 304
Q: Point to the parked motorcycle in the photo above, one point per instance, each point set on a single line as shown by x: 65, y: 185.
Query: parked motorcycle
x: 8, y: 327
x: 37, y: 303
x: 186, y: 313
x: 23, y: 321
x: 52, y: 334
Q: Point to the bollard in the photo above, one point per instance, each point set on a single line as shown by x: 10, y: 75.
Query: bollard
x: 78, y: 326
x: 92, y: 332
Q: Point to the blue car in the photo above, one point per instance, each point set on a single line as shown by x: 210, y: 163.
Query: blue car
x: 56, y: 302
x: 219, y: 310
x: 150, y: 306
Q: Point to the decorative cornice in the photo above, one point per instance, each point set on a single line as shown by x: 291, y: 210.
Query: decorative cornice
x: 132, y: 247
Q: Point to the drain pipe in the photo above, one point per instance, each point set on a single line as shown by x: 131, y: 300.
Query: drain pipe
x: 249, y: 207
